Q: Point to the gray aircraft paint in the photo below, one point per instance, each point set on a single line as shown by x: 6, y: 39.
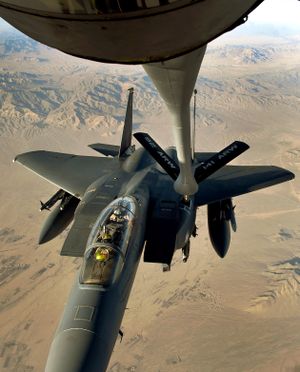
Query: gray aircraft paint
x: 164, y: 222
x: 92, y: 317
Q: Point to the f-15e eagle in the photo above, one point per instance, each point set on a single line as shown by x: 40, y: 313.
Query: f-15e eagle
x: 121, y: 203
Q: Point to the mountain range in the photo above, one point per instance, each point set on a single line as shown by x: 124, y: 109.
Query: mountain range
x: 42, y: 87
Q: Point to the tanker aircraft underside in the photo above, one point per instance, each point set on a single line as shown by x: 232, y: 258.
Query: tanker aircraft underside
x: 121, y: 203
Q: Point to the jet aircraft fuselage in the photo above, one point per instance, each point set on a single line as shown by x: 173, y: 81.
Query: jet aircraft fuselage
x: 92, y: 318
x: 121, y: 204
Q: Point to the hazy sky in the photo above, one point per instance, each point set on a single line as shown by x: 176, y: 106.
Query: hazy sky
x: 276, y: 12
x: 283, y: 12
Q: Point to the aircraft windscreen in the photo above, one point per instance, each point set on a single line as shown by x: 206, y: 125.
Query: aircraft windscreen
x: 108, y: 243
x: 103, y: 264
x: 90, y: 6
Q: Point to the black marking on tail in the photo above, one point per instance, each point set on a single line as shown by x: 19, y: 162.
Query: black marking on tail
x: 163, y: 159
x: 217, y: 161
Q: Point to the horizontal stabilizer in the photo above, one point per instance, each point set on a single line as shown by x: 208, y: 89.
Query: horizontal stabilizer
x: 107, y: 150
x: 217, y: 161
x: 163, y: 159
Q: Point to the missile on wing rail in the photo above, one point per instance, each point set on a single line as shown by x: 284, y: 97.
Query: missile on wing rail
x: 123, y: 31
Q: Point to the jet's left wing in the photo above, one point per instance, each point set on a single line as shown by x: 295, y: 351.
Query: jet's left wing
x: 72, y: 173
x: 234, y: 180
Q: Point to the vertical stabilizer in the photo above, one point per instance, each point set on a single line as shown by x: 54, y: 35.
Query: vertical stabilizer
x: 127, y: 131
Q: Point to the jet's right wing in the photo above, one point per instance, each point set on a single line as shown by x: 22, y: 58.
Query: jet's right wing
x: 72, y: 173
x: 234, y: 180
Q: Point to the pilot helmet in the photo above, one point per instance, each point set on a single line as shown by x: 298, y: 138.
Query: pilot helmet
x: 116, y: 215
x: 117, y: 212
x: 101, y: 254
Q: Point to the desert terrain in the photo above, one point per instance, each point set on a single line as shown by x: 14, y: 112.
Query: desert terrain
x: 236, y: 314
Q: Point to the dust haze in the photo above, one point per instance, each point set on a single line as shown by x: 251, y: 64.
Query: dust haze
x: 236, y: 314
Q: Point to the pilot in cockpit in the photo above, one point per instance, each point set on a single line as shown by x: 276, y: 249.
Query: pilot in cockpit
x: 117, y: 216
x: 101, y: 254
x: 104, y: 235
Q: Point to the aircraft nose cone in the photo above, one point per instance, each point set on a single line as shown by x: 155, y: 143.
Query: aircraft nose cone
x: 71, y: 352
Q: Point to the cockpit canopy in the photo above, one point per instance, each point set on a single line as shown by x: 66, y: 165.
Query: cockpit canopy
x: 108, y: 243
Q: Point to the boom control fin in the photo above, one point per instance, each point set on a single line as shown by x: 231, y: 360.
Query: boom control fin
x: 217, y: 161
x: 203, y: 170
x: 163, y: 159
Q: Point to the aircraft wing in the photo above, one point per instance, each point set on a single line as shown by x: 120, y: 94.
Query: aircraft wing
x: 202, y: 156
x: 72, y: 173
x: 235, y: 180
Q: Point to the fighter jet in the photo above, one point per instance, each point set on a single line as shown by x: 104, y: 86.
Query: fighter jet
x: 123, y: 202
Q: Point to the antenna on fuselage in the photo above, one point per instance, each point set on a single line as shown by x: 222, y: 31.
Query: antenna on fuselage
x: 193, y: 139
